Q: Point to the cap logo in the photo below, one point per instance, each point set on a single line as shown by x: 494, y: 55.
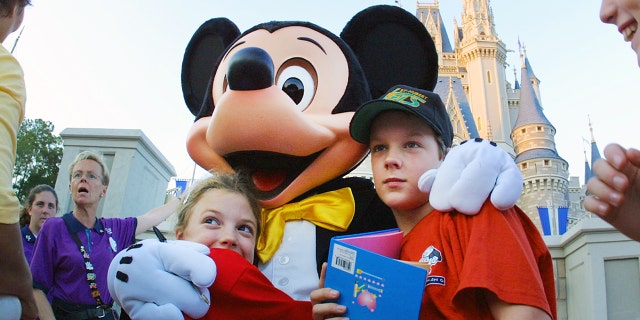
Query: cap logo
x: 407, y: 97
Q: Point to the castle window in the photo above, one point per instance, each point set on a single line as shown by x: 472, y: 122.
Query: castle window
x: 539, y: 128
x: 546, y: 162
x: 488, y: 77
x: 524, y: 165
x: 523, y: 131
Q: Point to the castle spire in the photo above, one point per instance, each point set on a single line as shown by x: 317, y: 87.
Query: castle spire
x: 534, y: 139
x: 530, y: 108
x: 429, y: 14
x: 520, y: 52
x: 587, y: 168
x: 531, y: 77
x: 595, y: 153
x: 477, y: 19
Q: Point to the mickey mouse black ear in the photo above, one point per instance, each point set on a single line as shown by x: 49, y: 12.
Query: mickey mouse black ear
x: 205, y: 48
x: 393, y: 47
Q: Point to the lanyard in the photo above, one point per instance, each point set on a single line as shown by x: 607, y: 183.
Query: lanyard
x: 91, y: 276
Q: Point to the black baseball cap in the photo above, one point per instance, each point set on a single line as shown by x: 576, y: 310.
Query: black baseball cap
x: 424, y: 104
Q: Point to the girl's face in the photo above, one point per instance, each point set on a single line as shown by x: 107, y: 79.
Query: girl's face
x: 222, y: 219
x: 403, y: 147
x: 625, y: 14
x: 42, y: 208
x: 86, y: 182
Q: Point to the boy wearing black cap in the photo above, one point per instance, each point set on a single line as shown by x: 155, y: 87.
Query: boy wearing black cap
x: 486, y: 266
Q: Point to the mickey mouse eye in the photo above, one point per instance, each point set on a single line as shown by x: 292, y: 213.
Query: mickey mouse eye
x: 298, y: 83
x: 294, y: 88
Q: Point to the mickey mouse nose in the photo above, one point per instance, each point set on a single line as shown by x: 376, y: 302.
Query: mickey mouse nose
x: 250, y: 69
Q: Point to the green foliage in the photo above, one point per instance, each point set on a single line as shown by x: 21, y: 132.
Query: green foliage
x: 38, y: 156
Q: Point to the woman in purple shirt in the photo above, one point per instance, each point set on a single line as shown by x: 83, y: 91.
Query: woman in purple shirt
x: 73, y: 252
x: 41, y: 204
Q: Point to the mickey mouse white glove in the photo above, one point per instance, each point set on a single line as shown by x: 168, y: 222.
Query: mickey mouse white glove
x: 468, y: 175
x: 153, y: 279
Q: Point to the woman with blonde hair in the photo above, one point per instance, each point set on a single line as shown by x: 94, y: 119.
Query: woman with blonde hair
x: 73, y: 252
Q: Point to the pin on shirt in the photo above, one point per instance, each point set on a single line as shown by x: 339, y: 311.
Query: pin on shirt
x: 114, y: 244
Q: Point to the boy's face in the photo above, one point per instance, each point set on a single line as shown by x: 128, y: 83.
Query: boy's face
x: 222, y: 219
x: 403, y: 147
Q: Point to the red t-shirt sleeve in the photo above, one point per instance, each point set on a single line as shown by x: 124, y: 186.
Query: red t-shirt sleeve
x: 241, y: 291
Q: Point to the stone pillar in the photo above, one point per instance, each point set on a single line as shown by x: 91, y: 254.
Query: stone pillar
x: 139, y: 172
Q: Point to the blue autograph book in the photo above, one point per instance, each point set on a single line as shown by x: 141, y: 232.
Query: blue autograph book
x: 373, y: 284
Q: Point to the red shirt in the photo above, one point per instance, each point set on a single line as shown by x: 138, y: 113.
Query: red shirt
x: 501, y: 252
x: 241, y: 291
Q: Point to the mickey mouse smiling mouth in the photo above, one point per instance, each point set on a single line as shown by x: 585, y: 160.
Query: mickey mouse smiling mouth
x: 269, y: 173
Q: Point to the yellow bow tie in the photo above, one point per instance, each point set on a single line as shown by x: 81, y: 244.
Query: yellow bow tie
x: 332, y: 210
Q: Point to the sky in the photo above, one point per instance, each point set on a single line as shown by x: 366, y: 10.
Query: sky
x: 116, y: 63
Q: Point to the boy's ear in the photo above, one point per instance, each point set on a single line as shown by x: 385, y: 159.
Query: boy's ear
x: 14, y: 11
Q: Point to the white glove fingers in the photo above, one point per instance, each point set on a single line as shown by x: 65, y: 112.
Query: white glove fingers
x: 151, y: 311
x: 447, y: 175
x: 191, y: 245
x: 188, y: 264
x: 168, y: 289
x: 508, y: 189
x: 175, y: 290
x: 426, y: 180
x: 470, y: 201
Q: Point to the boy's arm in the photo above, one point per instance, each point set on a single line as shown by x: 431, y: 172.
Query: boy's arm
x: 500, y: 248
x: 614, y: 190
x: 503, y: 310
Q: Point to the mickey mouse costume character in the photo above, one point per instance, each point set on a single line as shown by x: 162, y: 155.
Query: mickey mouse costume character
x: 274, y: 103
